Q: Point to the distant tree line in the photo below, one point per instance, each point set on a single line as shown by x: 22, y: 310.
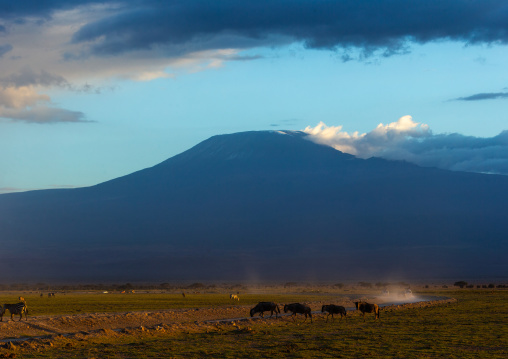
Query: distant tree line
x: 464, y: 284
x: 112, y: 287
x: 166, y: 286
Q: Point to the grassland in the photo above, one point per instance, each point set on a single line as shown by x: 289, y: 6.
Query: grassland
x: 78, y: 303
x: 476, y: 326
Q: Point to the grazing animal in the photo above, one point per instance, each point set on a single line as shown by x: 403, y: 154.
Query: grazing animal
x: 262, y: 307
x: 334, y: 309
x: 183, y: 294
x: 18, y: 309
x: 234, y: 297
x: 368, y: 308
x: 298, y: 308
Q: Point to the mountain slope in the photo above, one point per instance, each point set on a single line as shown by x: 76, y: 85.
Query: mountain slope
x: 261, y: 205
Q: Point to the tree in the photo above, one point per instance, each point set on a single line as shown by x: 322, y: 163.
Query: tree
x: 461, y: 284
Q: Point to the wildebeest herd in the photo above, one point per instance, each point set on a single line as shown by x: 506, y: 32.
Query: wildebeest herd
x: 262, y: 307
x: 298, y: 308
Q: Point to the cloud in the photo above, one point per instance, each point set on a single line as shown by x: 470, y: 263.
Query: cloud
x: 290, y: 122
x: 63, y: 43
x: 414, y: 142
x: 21, y: 101
x: 64, y: 186
x: 27, y: 76
x: 36, y: 8
x: 5, y: 49
x: 53, y: 186
x: 388, y: 26
x: 42, y: 114
x: 12, y: 189
x: 153, y: 75
x: 21, y: 97
x: 484, y: 96
x: 25, y: 104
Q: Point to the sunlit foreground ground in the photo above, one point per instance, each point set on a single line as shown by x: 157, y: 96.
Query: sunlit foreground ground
x: 150, y: 325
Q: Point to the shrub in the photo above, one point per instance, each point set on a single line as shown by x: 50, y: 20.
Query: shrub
x: 461, y: 284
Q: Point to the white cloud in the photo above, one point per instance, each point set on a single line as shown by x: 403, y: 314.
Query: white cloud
x: 368, y: 144
x: 414, y: 142
x: 151, y: 75
x: 25, y: 104
x: 20, y: 97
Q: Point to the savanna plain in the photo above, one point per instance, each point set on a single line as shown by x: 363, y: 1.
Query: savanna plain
x: 203, y: 322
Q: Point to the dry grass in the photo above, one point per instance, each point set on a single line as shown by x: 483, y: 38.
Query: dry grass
x: 473, y: 327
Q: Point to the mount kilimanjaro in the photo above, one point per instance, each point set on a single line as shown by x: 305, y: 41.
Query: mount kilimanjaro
x: 267, y: 205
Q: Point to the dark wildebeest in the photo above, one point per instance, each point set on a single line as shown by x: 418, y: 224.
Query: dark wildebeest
x: 262, y: 307
x: 297, y: 308
x: 18, y: 308
x: 334, y: 309
x: 368, y: 308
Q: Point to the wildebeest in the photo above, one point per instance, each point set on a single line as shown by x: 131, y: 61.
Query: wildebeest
x: 262, y: 307
x: 334, y: 309
x: 234, y: 297
x: 368, y: 308
x: 18, y: 308
x: 298, y: 308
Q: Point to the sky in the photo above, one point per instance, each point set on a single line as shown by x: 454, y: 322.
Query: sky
x: 94, y: 90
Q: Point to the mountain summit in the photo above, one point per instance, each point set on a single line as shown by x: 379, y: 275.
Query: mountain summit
x: 268, y: 205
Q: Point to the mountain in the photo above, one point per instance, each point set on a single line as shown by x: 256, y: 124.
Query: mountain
x: 267, y: 205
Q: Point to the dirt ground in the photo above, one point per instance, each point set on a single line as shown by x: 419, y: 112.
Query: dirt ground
x: 44, y: 330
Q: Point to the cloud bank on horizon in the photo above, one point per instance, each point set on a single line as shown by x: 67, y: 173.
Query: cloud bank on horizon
x: 63, y: 43
x: 414, y: 142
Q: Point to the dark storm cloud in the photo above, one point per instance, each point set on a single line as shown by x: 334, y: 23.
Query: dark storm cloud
x: 387, y: 26
x: 17, y: 9
x: 484, y: 96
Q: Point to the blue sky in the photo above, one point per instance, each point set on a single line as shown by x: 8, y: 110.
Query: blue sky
x: 93, y: 90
